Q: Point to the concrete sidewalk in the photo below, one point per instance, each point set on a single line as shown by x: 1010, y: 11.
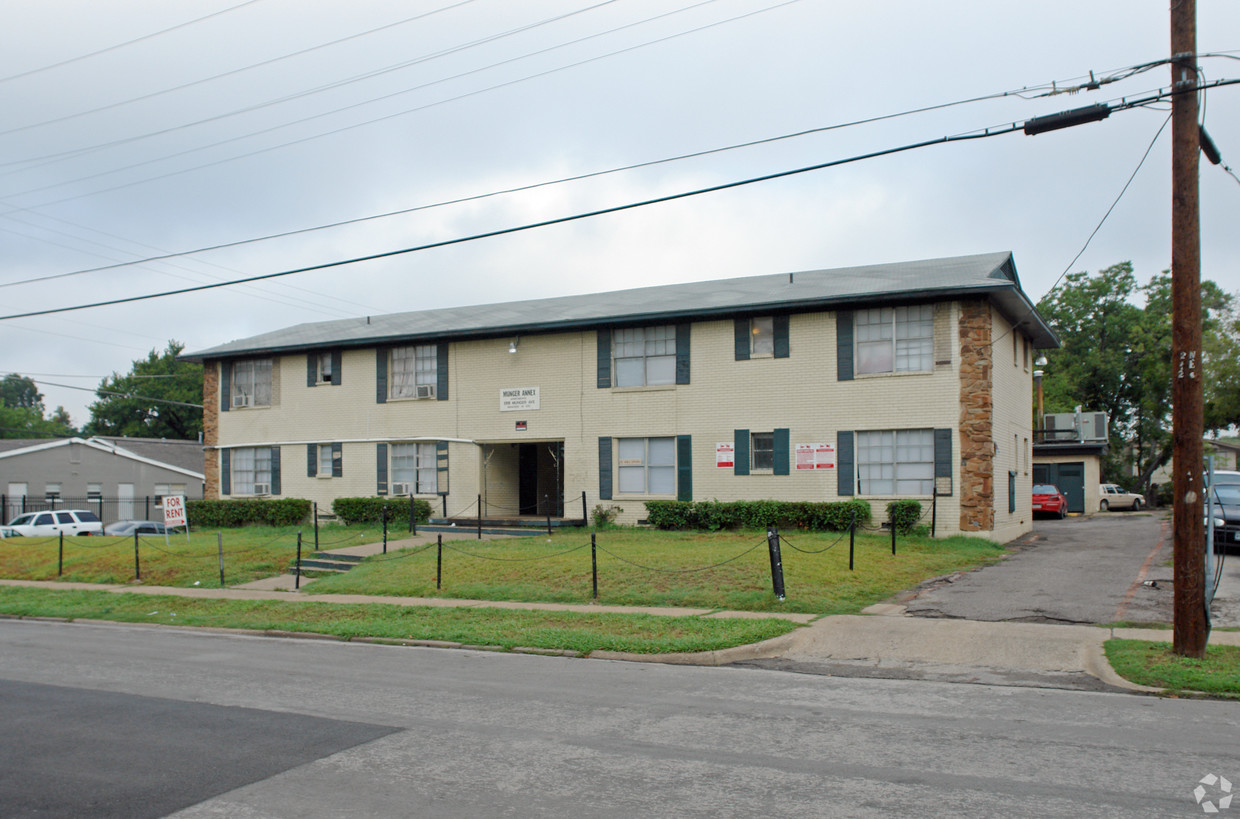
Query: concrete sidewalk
x: 880, y: 643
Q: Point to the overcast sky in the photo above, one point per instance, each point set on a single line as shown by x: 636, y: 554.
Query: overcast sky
x: 133, y: 128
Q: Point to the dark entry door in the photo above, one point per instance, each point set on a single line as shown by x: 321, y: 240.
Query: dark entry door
x: 1069, y: 477
x: 527, y: 479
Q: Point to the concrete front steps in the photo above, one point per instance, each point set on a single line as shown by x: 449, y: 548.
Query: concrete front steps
x: 328, y: 562
x: 515, y: 527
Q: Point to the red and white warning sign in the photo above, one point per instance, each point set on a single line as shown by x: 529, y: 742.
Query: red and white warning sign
x: 725, y: 455
x: 815, y: 456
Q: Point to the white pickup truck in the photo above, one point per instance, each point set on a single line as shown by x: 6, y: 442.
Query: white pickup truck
x: 1115, y: 498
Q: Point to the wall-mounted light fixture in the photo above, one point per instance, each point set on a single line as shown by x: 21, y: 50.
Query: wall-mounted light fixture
x: 512, y: 345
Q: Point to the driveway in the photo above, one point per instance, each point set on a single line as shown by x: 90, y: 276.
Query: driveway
x: 1097, y: 569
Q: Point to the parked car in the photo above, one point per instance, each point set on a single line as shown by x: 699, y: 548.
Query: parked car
x: 1222, y: 476
x: 1113, y: 497
x: 1225, y: 502
x: 7, y: 532
x: 43, y: 524
x: 1048, y: 499
x: 123, y: 528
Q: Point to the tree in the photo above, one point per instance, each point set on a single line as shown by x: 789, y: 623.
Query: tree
x: 160, y: 397
x: 1116, y: 358
x: 20, y: 391
x: 21, y: 411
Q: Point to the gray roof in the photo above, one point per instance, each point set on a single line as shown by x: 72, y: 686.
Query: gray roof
x: 990, y: 275
x: 185, y: 455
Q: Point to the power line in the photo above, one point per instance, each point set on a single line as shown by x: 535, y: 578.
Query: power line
x: 201, y: 81
x: 342, y: 129
x: 1047, y: 89
x: 100, y: 391
x: 532, y: 225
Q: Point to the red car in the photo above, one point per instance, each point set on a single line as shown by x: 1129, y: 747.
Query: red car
x: 1047, y: 498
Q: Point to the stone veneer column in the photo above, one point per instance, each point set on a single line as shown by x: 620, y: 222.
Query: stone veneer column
x: 211, y: 427
x: 977, y: 448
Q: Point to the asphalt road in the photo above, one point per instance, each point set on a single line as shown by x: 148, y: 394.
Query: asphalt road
x: 345, y: 729
x: 1078, y: 570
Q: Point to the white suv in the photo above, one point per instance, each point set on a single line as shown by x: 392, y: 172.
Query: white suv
x: 69, y: 521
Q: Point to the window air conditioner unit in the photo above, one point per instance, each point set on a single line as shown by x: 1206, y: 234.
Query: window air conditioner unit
x: 241, y: 400
x: 401, y: 489
x: 262, y: 489
x: 426, y: 391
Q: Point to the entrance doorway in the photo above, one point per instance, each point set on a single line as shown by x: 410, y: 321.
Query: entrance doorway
x: 540, y: 478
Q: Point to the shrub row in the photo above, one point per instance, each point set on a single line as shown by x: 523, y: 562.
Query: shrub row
x: 225, y: 513
x: 715, y: 515
x: 371, y: 510
x: 906, y: 514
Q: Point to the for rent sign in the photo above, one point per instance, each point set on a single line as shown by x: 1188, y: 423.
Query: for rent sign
x: 174, y: 511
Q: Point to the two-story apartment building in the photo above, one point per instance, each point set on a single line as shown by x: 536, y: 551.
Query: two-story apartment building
x: 878, y: 382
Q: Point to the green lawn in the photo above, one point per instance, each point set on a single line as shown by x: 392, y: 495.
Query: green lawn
x: 584, y: 633
x: 1156, y: 665
x: 726, y: 570
x: 249, y: 554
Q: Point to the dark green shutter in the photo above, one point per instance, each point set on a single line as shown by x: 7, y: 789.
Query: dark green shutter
x: 441, y: 372
x: 604, y: 360
x: 943, y: 460
x: 225, y: 472
x: 441, y: 467
x: 381, y: 485
x: 1011, y: 491
x: 740, y: 453
x: 275, y: 470
x: 684, y: 467
x: 604, y: 468
x: 844, y: 455
x: 782, y: 348
x: 782, y: 444
x: 682, y: 353
x: 740, y: 335
x: 312, y: 369
x: 336, y: 367
x: 337, y: 460
x: 381, y: 389
x: 844, y: 345
x: 225, y: 386
x: 312, y: 460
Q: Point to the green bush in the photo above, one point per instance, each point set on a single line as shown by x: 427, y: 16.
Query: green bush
x: 371, y: 510
x: 605, y: 516
x: 904, y: 514
x: 215, y: 514
x: 759, y: 514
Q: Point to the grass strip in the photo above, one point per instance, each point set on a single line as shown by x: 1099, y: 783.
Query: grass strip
x: 1155, y: 664
x: 584, y: 633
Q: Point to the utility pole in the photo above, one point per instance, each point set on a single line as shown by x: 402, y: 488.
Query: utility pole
x: 1186, y: 387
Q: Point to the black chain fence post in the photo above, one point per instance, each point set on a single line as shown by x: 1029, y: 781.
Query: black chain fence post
x: 777, y: 565
x: 385, y: 517
x: 439, y: 562
x: 852, y: 533
x: 137, y: 570
x: 480, y: 517
x: 316, y: 526
x: 547, y: 506
x: 297, y: 573
x: 934, y: 508
x: 60, y: 560
x: 891, y: 521
x: 594, y: 560
x: 413, y: 523
x: 585, y: 517
x: 219, y: 544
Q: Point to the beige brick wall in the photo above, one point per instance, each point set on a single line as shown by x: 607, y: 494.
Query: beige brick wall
x: 800, y: 393
x: 1013, y: 428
